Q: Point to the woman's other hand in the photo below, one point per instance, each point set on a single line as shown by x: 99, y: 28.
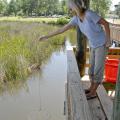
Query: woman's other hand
x: 108, y: 43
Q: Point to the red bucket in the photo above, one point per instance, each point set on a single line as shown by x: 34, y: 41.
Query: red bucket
x: 111, y: 70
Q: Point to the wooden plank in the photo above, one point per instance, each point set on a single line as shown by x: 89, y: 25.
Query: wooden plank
x: 106, y: 102
x: 94, y: 105
x: 78, y: 104
x: 72, y: 64
x: 116, y: 108
x: 115, y: 32
x: 68, y: 103
x: 73, y: 78
x: 96, y: 110
x: 113, y: 56
x: 67, y: 109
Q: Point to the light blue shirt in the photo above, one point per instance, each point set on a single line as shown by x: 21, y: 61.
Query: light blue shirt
x: 90, y: 28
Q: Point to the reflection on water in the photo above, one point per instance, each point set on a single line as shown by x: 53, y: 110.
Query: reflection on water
x: 42, y: 97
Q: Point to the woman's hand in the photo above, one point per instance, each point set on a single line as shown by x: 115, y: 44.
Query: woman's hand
x: 43, y: 38
x: 108, y: 43
x: 59, y: 31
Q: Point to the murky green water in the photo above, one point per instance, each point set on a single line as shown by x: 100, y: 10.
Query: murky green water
x: 42, y: 96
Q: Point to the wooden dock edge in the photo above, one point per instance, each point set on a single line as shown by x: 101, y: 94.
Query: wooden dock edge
x: 77, y: 105
x: 105, y: 101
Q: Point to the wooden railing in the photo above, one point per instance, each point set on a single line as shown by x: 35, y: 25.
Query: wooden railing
x: 115, y: 31
x: 114, y: 53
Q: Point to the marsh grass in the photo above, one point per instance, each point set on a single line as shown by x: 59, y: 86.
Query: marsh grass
x: 47, y: 20
x: 20, y: 48
x: 28, y: 19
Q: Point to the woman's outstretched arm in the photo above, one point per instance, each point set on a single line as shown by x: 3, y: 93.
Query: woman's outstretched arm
x: 59, y: 31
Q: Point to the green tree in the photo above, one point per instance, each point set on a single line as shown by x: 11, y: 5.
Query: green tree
x: 24, y: 5
x: 48, y: 7
x: 1, y: 6
x: 41, y: 8
x: 31, y: 7
x: 64, y: 6
x: 12, y: 7
x: 100, y: 6
x: 5, y: 9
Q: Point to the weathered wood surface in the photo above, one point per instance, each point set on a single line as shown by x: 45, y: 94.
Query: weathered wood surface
x: 101, y: 108
x: 78, y: 105
x: 116, y: 108
x: 94, y: 104
x: 105, y: 101
x: 67, y: 109
x: 113, y: 56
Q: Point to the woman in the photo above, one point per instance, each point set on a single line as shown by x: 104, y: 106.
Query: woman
x: 99, y: 40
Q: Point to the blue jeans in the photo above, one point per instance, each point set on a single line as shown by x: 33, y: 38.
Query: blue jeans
x: 97, y: 62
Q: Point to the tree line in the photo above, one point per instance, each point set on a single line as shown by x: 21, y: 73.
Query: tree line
x: 32, y: 7
x: 46, y: 7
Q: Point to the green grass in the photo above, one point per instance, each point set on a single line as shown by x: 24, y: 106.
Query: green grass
x: 25, y: 19
x: 49, y: 20
x: 20, y: 48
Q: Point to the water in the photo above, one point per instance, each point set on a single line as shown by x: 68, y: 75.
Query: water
x: 43, y: 95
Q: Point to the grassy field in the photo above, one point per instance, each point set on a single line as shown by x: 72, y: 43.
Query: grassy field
x: 20, y: 48
x: 25, y: 19
x: 43, y: 19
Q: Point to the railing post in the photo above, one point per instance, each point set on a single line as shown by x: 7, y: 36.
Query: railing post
x: 81, y: 47
x: 116, y: 107
x: 81, y: 51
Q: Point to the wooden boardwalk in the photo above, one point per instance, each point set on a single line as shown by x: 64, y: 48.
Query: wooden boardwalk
x: 77, y: 106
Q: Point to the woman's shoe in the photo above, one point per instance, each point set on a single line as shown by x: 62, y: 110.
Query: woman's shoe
x: 91, y: 97
x: 87, y: 91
